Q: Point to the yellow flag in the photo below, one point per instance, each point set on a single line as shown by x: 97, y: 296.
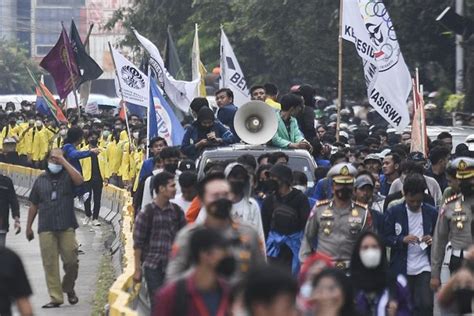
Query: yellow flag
x: 198, y: 69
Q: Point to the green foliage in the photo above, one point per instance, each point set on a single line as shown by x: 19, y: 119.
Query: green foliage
x: 454, y: 102
x: 292, y: 42
x: 14, y: 78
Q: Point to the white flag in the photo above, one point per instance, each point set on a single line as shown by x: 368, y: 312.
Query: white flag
x: 180, y: 92
x: 134, y: 85
x: 232, y: 76
x: 367, y: 24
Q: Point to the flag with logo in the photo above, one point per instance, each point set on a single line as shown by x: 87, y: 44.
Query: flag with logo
x: 179, y: 92
x: 62, y: 66
x: 368, y: 25
x: 419, y: 135
x: 45, y: 101
x: 87, y: 66
x: 130, y: 83
x: 198, y: 69
x: 161, y: 119
x: 232, y: 76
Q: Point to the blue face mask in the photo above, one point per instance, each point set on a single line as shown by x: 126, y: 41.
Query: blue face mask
x: 54, y: 168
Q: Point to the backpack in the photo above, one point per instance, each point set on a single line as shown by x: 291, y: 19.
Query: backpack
x: 181, y: 300
x: 285, y: 219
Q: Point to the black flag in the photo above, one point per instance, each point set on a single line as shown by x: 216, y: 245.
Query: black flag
x: 172, y: 62
x: 88, y: 67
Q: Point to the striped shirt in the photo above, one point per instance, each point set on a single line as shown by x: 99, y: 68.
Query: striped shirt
x: 54, y: 196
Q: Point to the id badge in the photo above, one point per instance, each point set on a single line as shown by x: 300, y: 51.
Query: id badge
x: 54, y: 195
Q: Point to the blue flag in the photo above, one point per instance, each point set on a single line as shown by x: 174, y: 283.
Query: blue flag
x: 162, y: 120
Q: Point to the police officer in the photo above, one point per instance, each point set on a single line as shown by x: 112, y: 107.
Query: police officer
x: 334, y: 225
x: 455, y: 222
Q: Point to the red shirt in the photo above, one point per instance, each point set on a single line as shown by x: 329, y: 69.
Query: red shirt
x: 165, y: 299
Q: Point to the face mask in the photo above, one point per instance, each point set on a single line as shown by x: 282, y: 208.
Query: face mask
x: 81, y: 124
x: 63, y: 132
x: 302, y: 188
x: 227, y: 266
x: 344, y: 193
x: 270, y: 185
x: 237, y: 187
x: 118, y: 127
x: 135, y: 135
x: 106, y: 133
x: 466, y: 188
x: 54, y: 168
x: 9, y: 111
x: 220, y: 208
x: 370, y: 257
x: 39, y: 124
x: 27, y: 108
x: 171, y: 167
x: 93, y: 142
x: 306, y: 289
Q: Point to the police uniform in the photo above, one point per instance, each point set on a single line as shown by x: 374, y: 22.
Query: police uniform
x: 455, y: 223
x: 334, y: 231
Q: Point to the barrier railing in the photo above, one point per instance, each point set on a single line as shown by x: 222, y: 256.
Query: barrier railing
x: 116, y: 210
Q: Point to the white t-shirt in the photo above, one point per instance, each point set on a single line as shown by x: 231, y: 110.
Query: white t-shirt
x: 147, y: 193
x: 417, y: 258
x: 181, y: 202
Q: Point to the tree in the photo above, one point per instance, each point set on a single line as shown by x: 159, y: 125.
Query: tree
x: 14, y: 78
x: 292, y: 42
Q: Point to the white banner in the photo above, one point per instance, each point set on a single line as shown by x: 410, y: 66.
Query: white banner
x: 180, y: 92
x: 92, y: 108
x: 232, y: 76
x: 134, y: 84
x: 366, y: 23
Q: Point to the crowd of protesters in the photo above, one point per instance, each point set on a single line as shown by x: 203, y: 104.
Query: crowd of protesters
x: 249, y: 236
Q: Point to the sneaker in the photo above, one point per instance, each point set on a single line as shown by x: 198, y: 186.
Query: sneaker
x: 95, y: 222
x: 86, y: 220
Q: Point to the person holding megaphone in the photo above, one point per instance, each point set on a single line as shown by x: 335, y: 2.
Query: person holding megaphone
x: 288, y: 134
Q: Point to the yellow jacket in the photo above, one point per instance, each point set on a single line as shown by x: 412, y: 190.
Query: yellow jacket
x: 57, y: 142
x: 20, y: 145
x: 39, y: 144
x: 114, y: 153
x: 86, y: 165
x: 273, y: 104
x: 7, y: 132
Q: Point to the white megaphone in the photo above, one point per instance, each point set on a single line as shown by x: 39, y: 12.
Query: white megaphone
x: 255, y: 122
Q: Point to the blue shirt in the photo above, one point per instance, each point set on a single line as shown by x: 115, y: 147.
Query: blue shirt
x: 147, y: 169
x: 73, y: 155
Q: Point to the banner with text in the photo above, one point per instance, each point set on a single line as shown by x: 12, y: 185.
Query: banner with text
x: 366, y: 23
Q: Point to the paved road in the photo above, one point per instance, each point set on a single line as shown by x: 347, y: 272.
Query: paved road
x: 92, y: 244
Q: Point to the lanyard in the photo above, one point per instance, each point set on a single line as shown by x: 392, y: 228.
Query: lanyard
x: 201, y: 306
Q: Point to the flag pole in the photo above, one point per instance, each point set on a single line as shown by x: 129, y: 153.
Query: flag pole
x: 339, y: 76
x: 71, y: 76
x: 122, y: 102
x: 222, y: 61
x: 86, y: 41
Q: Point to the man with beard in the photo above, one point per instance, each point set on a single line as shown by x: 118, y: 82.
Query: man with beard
x: 334, y: 225
x: 455, y: 223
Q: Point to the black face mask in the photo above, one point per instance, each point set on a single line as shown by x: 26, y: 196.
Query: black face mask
x: 93, y: 142
x: 237, y: 187
x: 269, y: 186
x: 220, y: 208
x: 467, y: 189
x: 171, y: 167
x: 344, y: 194
x: 226, y: 267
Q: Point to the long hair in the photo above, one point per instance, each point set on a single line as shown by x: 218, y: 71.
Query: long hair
x: 363, y: 278
x: 348, y: 308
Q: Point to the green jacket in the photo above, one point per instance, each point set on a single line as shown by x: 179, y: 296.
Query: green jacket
x: 282, y: 139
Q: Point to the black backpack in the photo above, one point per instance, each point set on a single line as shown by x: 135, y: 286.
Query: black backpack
x: 285, y: 219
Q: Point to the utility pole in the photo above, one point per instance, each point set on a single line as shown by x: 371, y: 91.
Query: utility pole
x: 459, y: 76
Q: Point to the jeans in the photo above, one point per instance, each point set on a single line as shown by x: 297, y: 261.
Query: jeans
x: 3, y: 238
x: 154, y: 278
x: 95, y: 189
x: 421, y: 294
